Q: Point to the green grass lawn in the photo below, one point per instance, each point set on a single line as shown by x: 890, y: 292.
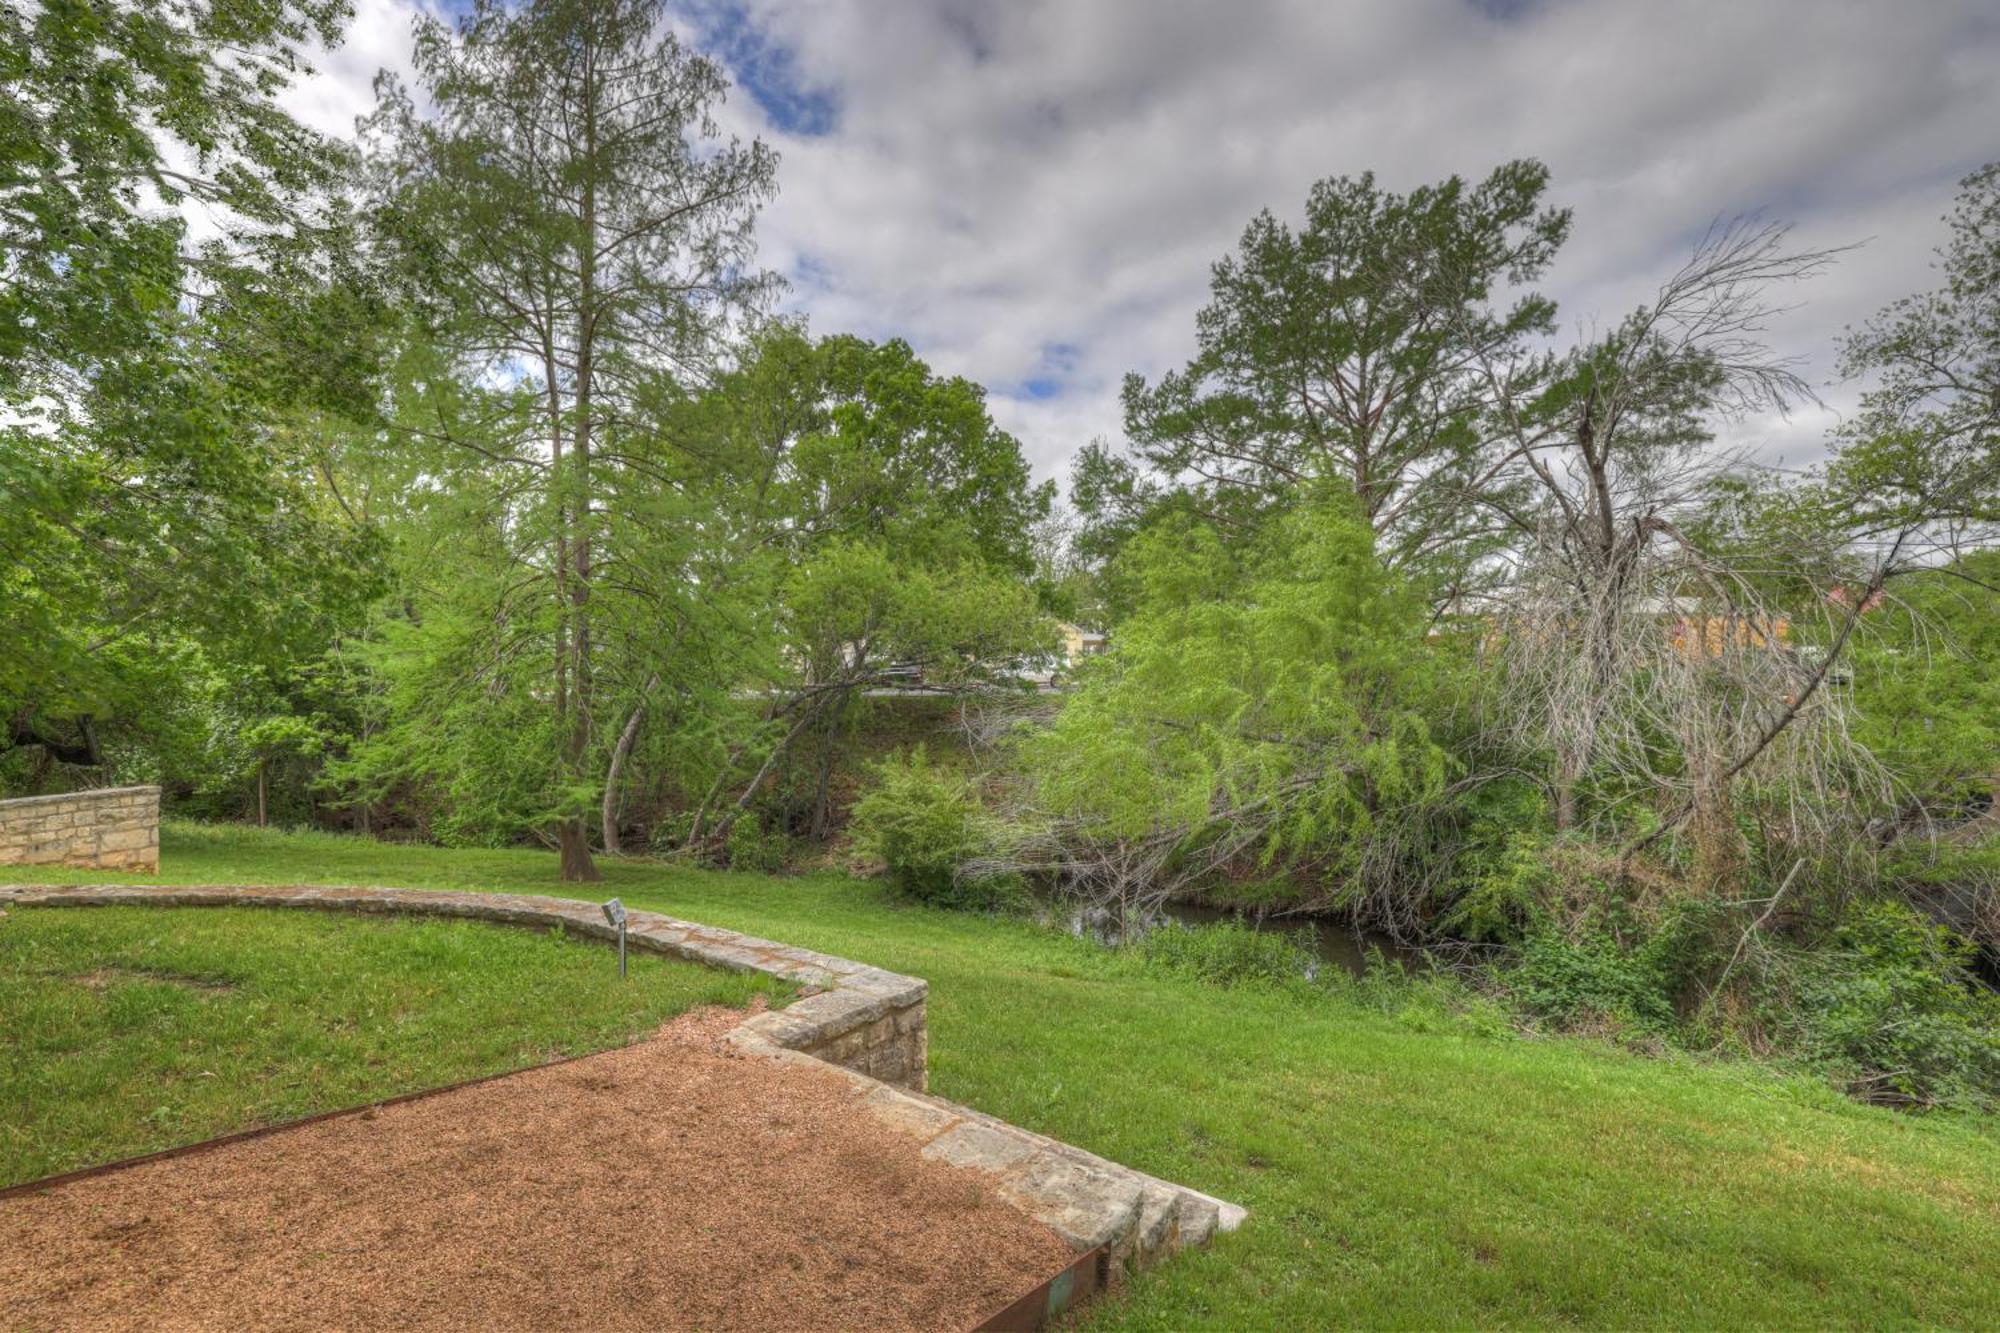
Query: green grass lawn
x: 130, y: 1029
x: 1400, y: 1171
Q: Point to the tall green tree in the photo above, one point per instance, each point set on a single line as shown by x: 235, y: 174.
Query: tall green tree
x: 154, y: 422
x: 903, y: 517
x: 566, y: 195
x: 1924, y: 451
x: 1350, y: 350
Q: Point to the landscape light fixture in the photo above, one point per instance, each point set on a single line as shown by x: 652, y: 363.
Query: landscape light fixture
x: 614, y: 912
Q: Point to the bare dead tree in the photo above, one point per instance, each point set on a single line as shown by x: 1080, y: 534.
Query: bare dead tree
x: 1635, y: 654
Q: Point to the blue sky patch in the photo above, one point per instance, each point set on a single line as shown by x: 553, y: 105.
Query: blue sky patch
x: 768, y: 71
x: 1058, y: 362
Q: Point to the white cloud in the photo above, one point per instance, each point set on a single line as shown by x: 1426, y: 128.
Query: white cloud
x: 341, y: 87
x: 1000, y: 179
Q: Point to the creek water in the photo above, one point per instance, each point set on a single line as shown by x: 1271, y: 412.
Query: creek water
x: 1332, y: 943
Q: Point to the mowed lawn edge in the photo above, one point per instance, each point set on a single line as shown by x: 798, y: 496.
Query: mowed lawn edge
x: 133, y: 1029
x: 1400, y: 1170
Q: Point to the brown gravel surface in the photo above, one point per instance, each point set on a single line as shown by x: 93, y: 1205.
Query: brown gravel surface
x: 671, y: 1184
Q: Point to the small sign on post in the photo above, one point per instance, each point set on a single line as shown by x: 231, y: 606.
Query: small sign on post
x: 614, y: 912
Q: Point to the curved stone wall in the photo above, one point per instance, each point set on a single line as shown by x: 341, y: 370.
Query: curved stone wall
x: 864, y: 1022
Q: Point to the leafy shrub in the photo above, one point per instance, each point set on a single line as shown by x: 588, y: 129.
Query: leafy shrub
x: 924, y: 823
x: 1506, y: 889
x: 670, y: 831
x: 751, y: 848
x: 1888, y: 1004
x: 1588, y: 980
x: 1895, y: 1007
x: 1228, y: 953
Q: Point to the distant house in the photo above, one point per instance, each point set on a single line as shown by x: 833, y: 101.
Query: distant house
x: 1694, y: 628
x: 1079, y: 643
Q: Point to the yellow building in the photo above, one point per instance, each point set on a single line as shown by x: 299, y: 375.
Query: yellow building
x: 1079, y: 643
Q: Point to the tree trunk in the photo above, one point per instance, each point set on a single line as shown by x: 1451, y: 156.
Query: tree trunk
x: 576, y: 863
x: 262, y: 822
x: 763, y: 775
x: 1718, y: 843
x: 822, y: 811
x: 823, y: 805
x: 619, y: 753
x: 1565, y: 802
x: 577, y: 867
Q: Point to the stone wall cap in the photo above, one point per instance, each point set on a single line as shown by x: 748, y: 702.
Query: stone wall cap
x: 89, y: 794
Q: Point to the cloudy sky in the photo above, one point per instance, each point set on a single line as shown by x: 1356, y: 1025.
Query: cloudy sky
x: 1032, y: 191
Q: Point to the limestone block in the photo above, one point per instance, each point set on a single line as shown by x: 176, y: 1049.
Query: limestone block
x: 888, y: 1064
x: 981, y: 1147
x: 124, y: 839
x: 909, y: 1114
x: 1086, y: 1207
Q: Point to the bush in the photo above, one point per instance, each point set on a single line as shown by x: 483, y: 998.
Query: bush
x: 1886, y: 1002
x: 1894, y: 1007
x: 1506, y: 888
x: 924, y: 823
x: 1228, y: 953
x: 751, y: 848
x: 670, y: 831
x: 1588, y: 980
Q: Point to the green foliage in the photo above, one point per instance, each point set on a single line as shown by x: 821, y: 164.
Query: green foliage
x: 1422, y: 998
x: 750, y: 848
x: 1885, y: 1003
x: 451, y: 733
x: 1496, y: 863
x: 1623, y: 969
x: 857, y: 606
x: 1959, y: 879
x: 1925, y: 448
x: 924, y: 823
x: 900, y: 520
x: 113, y: 105
x: 1346, y: 351
x: 158, y: 422
x: 576, y: 233
x: 1505, y: 890
x: 1283, y: 686
x: 1893, y: 1005
x: 670, y: 831
x: 914, y: 457
x: 1591, y: 982
x: 1227, y: 953
x: 1925, y: 690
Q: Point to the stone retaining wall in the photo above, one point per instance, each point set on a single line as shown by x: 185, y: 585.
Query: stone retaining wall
x: 115, y: 828
x: 863, y: 1022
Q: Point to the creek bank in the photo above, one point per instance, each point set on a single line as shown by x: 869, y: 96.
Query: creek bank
x: 1331, y: 942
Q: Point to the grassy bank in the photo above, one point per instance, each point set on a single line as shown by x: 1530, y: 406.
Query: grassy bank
x: 132, y: 1029
x: 1400, y: 1170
